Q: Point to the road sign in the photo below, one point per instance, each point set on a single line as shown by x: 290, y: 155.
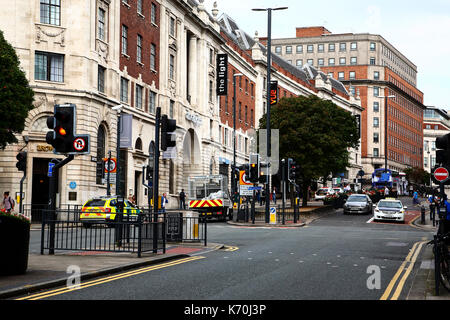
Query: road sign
x: 50, y: 169
x: 79, y: 144
x: 112, y: 166
x: 273, y: 215
x: 441, y: 174
x: 243, y: 179
x: 112, y: 178
x: 255, y: 188
x: 245, y: 190
x: 72, y: 185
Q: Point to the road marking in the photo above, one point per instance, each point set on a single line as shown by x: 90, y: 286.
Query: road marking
x: 410, y: 259
x: 59, y: 291
x: 370, y: 220
x: 230, y: 248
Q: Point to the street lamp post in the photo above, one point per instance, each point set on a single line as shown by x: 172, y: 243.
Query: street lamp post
x: 234, y: 184
x: 269, y: 67
x: 118, y: 108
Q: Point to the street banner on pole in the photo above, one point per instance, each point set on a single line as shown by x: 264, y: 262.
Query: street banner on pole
x: 126, y: 128
x: 222, y: 74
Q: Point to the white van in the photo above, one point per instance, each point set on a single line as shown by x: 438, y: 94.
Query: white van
x: 322, y: 192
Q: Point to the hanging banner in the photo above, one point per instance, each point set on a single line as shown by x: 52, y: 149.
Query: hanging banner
x: 126, y: 129
x: 358, y: 124
x: 273, y: 92
x: 222, y: 74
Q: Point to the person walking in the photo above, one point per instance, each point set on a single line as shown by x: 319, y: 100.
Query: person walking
x: 182, y: 200
x: 274, y: 195
x: 163, y: 202
x: 432, y: 204
x: 386, y: 192
x: 415, y: 197
x: 8, y: 203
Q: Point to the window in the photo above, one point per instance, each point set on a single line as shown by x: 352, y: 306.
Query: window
x: 51, y: 12
x: 310, y: 48
x: 341, y: 75
x: 342, y: 47
x: 246, y: 85
x: 299, y: 49
x: 124, y: 39
x: 210, y: 91
x: 428, y: 126
x: 171, y: 108
x: 331, y: 47
x: 353, y: 60
x: 376, y: 75
x: 246, y: 114
x: 310, y: 62
x: 123, y: 90
x: 376, y: 122
x: 342, y: 61
x: 331, y: 74
x: 152, y: 57
x: 320, y: 62
x: 240, y: 111
x: 352, y: 90
x: 353, y: 46
x: 352, y: 75
x: 139, y: 6
x: 101, y: 141
x: 49, y: 66
x: 252, y: 89
x: 376, y: 106
x: 372, y: 46
x: 299, y: 62
x: 153, y: 13
x: 139, y: 49
x: 376, y: 91
x: 376, y: 137
x: 101, y: 79
x: 331, y: 61
x: 172, y: 30
x: 277, y: 49
x: 138, y: 96
x: 372, y: 61
x: 152, y: 102
x: 288, y: 49
x: 375, y: 152
x: 171, y: 67
x: 320, y: 47
x: 425, y: 161
x: 101, y: 24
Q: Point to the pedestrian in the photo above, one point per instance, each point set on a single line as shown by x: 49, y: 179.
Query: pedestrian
x: 8, y: 203
x: 445, y: 227
x: 274, y: 195
x: 386, y: 192
x: 164, y: 201
x: 182, y: 200
x: 415, y: 197
x: 258, y: 196
x: 263, y: 197
x: 432, y: 204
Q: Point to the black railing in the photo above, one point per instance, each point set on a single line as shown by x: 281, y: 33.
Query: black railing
x: 133, y: 233
x: 35, y: 211
x: 285, y: 215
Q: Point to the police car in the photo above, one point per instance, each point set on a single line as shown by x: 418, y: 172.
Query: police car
x: 103, y: 210
x: 389, y: 209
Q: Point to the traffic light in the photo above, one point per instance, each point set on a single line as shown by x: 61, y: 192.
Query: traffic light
x: 149, y: 173
x: 292, y: 170
x: 168, y: 135
x: 22, y: 161
x: 254, y: 168
x: 443, y: 152
x: 63, y: 137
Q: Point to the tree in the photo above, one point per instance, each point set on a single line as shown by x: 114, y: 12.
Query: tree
x: 316, y: 133
x: 16, y: 96
x: 417, y: 175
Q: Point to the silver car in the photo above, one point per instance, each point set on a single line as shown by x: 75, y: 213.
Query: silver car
x: 358, y: 203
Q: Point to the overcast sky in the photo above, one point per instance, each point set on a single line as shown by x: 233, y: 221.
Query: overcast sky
x: 418, y: 29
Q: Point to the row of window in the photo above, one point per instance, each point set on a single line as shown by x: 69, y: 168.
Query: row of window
x: 331, y: 62
x: 321, y: 47
x: 139, y: 48
x: 404, y: 132
x: 226, y: 138
x: 139, y: 96
x: 403, y: 145
x: 404, y: 118
x: 402, y: 158
x: 140, y: 10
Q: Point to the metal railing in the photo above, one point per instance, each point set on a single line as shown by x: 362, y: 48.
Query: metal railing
x: 284, y: 216
x: 132, y: 233
x: 35, y: 211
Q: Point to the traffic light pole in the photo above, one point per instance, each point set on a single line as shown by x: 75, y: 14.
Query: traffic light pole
x: 21, y: 192
x: 108, y: 186
x: 156, y: 181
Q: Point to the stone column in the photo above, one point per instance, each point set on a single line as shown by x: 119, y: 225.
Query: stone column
x: 193, y: 69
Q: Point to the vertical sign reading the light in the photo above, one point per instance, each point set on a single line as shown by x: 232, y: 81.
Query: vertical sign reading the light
x: 273, y: 92
x: 222, y: 74
x: 358, y: 124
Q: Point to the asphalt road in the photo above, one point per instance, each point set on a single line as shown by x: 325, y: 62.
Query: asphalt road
x: 337, y: 257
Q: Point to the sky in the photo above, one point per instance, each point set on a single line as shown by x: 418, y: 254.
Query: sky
x: 419, y: 29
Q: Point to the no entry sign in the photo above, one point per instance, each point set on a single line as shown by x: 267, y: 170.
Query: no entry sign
x: 441, y: 174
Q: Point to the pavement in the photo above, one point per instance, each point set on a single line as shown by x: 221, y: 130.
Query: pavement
x: 423, y: 287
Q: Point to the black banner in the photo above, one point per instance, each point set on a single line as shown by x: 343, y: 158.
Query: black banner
x: 358, y: 124
x: 273, y: 92
x: 222, y: 74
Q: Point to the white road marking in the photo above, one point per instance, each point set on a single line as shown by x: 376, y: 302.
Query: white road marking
x: 370, y: 220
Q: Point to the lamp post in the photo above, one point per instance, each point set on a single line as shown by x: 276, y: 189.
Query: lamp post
x: 118, y: 108
x: 234, y: 135
x: 386, y: 128
x: 269, y: 65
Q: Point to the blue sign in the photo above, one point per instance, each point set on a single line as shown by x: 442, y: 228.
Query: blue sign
x: 273, y: 210
x: 254, y: 188
x: 72, y: 185
x: 50, y: 169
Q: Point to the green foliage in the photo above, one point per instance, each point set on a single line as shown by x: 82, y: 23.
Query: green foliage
x: 16, y: 97
x: 417, y: 175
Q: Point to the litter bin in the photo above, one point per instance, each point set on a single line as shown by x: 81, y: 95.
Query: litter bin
x: 174, y: 227
x: 190, y: 225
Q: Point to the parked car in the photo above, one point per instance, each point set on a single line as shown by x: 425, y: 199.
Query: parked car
x: 389, y: 209
x: 103, y: 210
x: 358, y: 203
x: 322, y: 192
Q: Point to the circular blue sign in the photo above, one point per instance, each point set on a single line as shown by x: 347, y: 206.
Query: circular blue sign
x: 73, y: 185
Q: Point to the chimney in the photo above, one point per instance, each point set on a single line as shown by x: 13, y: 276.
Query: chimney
x: 306, y: 32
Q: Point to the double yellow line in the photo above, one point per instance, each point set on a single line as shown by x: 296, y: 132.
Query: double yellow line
x: 407, y: 267
x: 59, y: 291
x: 230, y: 248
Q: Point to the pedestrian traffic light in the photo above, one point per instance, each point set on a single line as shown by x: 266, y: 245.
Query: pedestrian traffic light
x: 168, y: 135
x: 63, y: 137
x: 22, y: 161
x: 443, y: 152
x: 292, y: 169
x: 254, y: 168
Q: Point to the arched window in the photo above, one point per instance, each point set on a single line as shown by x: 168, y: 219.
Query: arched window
x: 101, y: 145
x: 138, y: 144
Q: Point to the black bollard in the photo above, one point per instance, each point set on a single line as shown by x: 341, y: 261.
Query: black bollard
x: 422, y: 214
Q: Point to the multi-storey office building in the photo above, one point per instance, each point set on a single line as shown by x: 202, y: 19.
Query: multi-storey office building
x: 436, y: 123
x: 372, y: 68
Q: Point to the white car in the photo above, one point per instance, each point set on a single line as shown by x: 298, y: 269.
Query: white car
x: 322, y: 192
x: 389, y: 209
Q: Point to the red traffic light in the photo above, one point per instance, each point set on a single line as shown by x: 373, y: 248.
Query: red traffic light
x: 62, y: 131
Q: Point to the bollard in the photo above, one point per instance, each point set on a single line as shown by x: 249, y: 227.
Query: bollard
x: 422, y: 214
